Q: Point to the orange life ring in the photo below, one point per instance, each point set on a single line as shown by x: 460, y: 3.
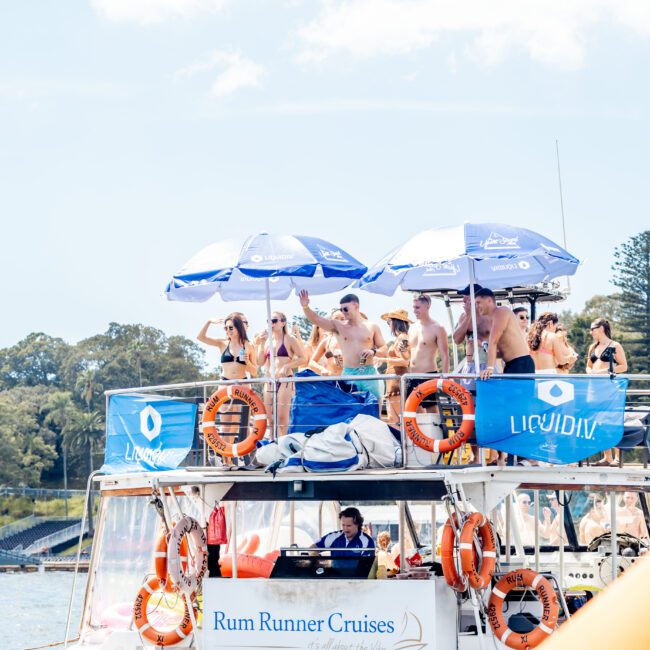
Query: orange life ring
x: 413, y: 401
x: 477, y: 522
x: 160, y: 561
x: 159, y: 639
x: 447, y: 559
x: 178, y: 571
x: 550, y: 609
x: 248, y: 566
x: 215, y: 402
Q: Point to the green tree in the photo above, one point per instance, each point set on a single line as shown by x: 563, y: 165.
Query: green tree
x: 632, y: 276
x: 84, y: 431
x: 304, y: 324
x: 87, y: 387
x: 34, y: 361
x: 27, y: 446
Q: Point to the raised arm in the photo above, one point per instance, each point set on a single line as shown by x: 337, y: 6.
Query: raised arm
x: 326, y: 324
x: 208, y: 340
x: 464, y: 324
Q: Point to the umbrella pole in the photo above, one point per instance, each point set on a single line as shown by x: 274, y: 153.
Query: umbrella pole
x: 272, y: 358
x: 477, y: 360
x: 454, y: 347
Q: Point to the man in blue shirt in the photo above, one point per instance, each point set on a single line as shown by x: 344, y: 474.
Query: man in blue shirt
x: 350, y: 535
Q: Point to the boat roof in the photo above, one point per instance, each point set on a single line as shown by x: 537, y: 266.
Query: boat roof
x: 377, y: 484
x: 530, y: 294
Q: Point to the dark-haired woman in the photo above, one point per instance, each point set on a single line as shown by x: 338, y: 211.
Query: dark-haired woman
x: 289, y: 356
x: 237, y: 352
x: 237, y: 361
x: 549, y: 351
x: 397, y: 360
x: 326, y: 346
x: 604, y: 356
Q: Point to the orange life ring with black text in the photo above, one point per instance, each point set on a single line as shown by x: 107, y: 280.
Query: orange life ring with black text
x: 159, y: 639
x: 550, y: 609
x: 476, y: 522
x: 415, y: 398
x: 255, y: 433
x: 447, y: 558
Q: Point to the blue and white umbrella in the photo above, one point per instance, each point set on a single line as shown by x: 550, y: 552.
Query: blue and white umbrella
x: 493, y: 255
x: 264, y: 267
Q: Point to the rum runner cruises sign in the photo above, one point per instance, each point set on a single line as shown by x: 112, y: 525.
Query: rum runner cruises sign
x: 552, y: 420
x: 320, y: 614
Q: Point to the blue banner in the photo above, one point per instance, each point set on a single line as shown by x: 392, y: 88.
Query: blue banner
x: 552, y: 420
x: 147, y: 434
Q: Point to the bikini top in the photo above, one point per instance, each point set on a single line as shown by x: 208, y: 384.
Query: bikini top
x: 227, y: 357
x: 606, y: 355
x: 281, y: 351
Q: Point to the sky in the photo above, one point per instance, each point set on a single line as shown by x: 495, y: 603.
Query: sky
x: 132, y: 134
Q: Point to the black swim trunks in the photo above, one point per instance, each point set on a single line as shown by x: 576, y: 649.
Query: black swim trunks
x: 412, y: 384
x: 520, y: 365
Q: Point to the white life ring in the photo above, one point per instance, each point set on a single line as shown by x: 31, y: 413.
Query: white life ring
x: 197, y: 557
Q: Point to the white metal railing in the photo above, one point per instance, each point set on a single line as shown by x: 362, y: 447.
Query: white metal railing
x: 19, y: 526
x: 278, y: 381
x: 49, y: 541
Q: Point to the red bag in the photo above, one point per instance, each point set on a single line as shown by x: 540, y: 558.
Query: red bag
x: 217, y: 526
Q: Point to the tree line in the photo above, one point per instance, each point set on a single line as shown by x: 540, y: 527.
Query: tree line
x: 52, y: 409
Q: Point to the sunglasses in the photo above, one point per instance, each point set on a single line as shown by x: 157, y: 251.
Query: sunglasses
x: 229, y: 328
x: 278, y: 320
x: 522, y: 317
x: 345, y: 310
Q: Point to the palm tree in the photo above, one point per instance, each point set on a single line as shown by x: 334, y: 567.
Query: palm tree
x: 87, y: 387
x: 82, y: 431
x: 58, y: 407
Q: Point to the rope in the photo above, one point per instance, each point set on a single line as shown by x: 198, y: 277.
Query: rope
x: 52, y: 645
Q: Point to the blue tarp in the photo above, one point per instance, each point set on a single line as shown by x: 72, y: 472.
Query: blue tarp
x: 321, y: 403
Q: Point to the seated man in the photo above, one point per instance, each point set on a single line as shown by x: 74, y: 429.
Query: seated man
x: 350, y: 535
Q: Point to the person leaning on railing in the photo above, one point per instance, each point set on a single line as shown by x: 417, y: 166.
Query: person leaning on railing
x: 605, y: 356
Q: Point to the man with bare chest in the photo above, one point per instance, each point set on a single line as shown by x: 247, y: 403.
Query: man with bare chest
x: 506, y: 338
x: 427, y: 340
x: 360, y: 340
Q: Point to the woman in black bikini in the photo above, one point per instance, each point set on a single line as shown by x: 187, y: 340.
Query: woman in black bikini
x: 237, y: 361
x: 605, y: 356
x: 237, y: 352
x: 289, y: 355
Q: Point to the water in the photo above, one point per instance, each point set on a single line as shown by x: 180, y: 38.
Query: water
x: 35, y: 605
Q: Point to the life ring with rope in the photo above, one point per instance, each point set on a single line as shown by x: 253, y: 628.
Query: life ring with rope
x: 550, y: 609
x: 479, y: 524
x: 160, y: 560
x: 196, y: 553
x: 256, y: 432
x: 145, y: 629
x: 415, y: 398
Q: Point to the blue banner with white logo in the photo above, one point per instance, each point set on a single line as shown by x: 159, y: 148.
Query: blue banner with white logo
x: 147, y: 434
x: 552, y: 420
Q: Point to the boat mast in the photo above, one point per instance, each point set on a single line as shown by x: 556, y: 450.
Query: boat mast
x: 559, y: 181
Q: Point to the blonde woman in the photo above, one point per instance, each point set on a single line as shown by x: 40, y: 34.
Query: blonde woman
x: 289, y: 356
x: 327, y: 347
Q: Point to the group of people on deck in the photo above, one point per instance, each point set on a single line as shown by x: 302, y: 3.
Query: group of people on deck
x: 347, y: 343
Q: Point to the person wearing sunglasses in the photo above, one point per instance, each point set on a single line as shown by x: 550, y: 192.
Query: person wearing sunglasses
x: 605, y: 356
x: 359, y: 339
x: 523, y: 319
x: 237, y: 352
x: 289, y: 355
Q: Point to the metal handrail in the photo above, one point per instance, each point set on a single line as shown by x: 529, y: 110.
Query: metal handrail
x: 63, y: 535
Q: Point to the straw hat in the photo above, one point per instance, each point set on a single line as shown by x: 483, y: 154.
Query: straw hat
x: 397, y: 314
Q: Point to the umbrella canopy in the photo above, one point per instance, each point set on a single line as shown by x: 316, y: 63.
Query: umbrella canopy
x: 493, y: 255
x: 264, y: 267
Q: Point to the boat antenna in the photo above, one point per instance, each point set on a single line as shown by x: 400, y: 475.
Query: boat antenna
x: 559, y: 181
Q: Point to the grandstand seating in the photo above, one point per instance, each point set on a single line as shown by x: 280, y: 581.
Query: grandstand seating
x: 26, y: 538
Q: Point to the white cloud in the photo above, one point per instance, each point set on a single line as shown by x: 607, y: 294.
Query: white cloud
x: 550, y: 31
x: 235, y: 72
x: 148, y: 12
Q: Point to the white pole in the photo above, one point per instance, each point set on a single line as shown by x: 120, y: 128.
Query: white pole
x: 272, y: 358
x: 613, y: 532
x: 454, y: 347
x: 472, y: 297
